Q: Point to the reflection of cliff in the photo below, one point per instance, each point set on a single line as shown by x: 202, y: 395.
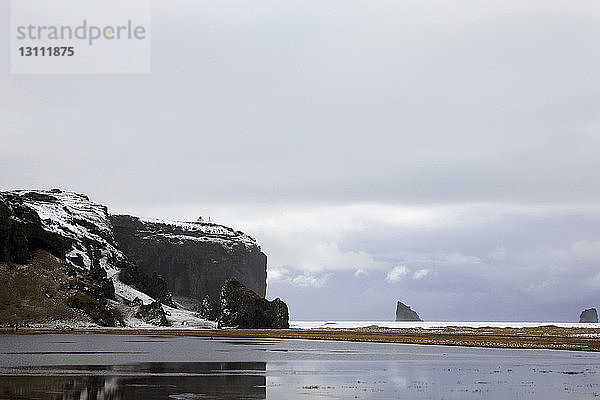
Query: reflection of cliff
x: 195, y: 258
x: 153, y: 381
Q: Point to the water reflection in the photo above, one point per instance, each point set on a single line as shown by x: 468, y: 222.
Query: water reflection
x: 208, y: 380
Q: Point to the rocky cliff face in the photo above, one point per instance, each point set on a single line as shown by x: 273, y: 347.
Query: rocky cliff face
x: 69, y: 240
x: 194, y: 258
x: 404, y: 313
x: 60, y: 264
x: 589, y: 315
x: 65, y: 224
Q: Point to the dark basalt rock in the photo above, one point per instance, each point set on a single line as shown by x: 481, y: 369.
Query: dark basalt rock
x: 242, y: 308
x: 155, y: 286
x: 404, y: 313
x: 91, y: 294
x: 152, y: 313
x: 210, y: 309
x: 21, y: 231
x: 98, y: 289
x: 99, y: 278
x: 195, y: 259
x: 590, y: 316
x: 96, y: 308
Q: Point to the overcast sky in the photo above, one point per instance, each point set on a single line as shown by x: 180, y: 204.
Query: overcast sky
x: 444, y: 154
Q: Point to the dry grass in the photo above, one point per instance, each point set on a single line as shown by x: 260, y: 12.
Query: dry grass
x: 34, y: 293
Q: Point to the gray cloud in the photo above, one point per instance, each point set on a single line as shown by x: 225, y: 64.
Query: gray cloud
x: 474, y: 262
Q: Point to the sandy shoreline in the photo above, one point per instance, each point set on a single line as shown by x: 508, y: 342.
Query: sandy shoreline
x: 544, y: 337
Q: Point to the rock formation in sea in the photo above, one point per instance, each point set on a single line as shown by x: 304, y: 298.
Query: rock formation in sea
x: 404, y: 313
x: 243, y: 308
x: 61, y: 266
x: 589, y: 315
x: 194, y: 258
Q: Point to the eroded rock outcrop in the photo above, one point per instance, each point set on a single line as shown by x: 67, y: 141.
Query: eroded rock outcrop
x: 404, y: 313
x: 22, y: 231
x: 195, y: 258
x: 589, y: 316
x: 210, y: 309
x: 152, y: 313
x: 242, y: 308
x: 155, y: 285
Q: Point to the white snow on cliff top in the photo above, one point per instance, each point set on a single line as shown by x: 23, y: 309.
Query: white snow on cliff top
x: 208, y: 230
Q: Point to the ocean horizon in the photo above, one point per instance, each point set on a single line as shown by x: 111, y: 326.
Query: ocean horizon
x: 435, y: 324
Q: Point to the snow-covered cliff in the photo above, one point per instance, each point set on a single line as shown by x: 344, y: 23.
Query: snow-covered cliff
x: 60, y: 264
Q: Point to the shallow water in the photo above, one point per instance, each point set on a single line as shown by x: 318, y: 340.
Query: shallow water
x: 91, y: 366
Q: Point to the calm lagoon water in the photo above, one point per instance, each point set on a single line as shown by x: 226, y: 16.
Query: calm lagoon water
x: 88, y: 366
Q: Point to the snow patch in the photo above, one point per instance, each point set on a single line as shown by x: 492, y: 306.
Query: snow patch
x: 199, y: 231
x: 177, y: 318
x: 75, y: 217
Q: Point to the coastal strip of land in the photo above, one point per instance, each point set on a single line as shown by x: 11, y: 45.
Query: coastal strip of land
x: 543, y: 337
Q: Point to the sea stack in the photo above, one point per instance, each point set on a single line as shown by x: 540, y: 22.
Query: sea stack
x: 589, y: 315
x: 404, y: 313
